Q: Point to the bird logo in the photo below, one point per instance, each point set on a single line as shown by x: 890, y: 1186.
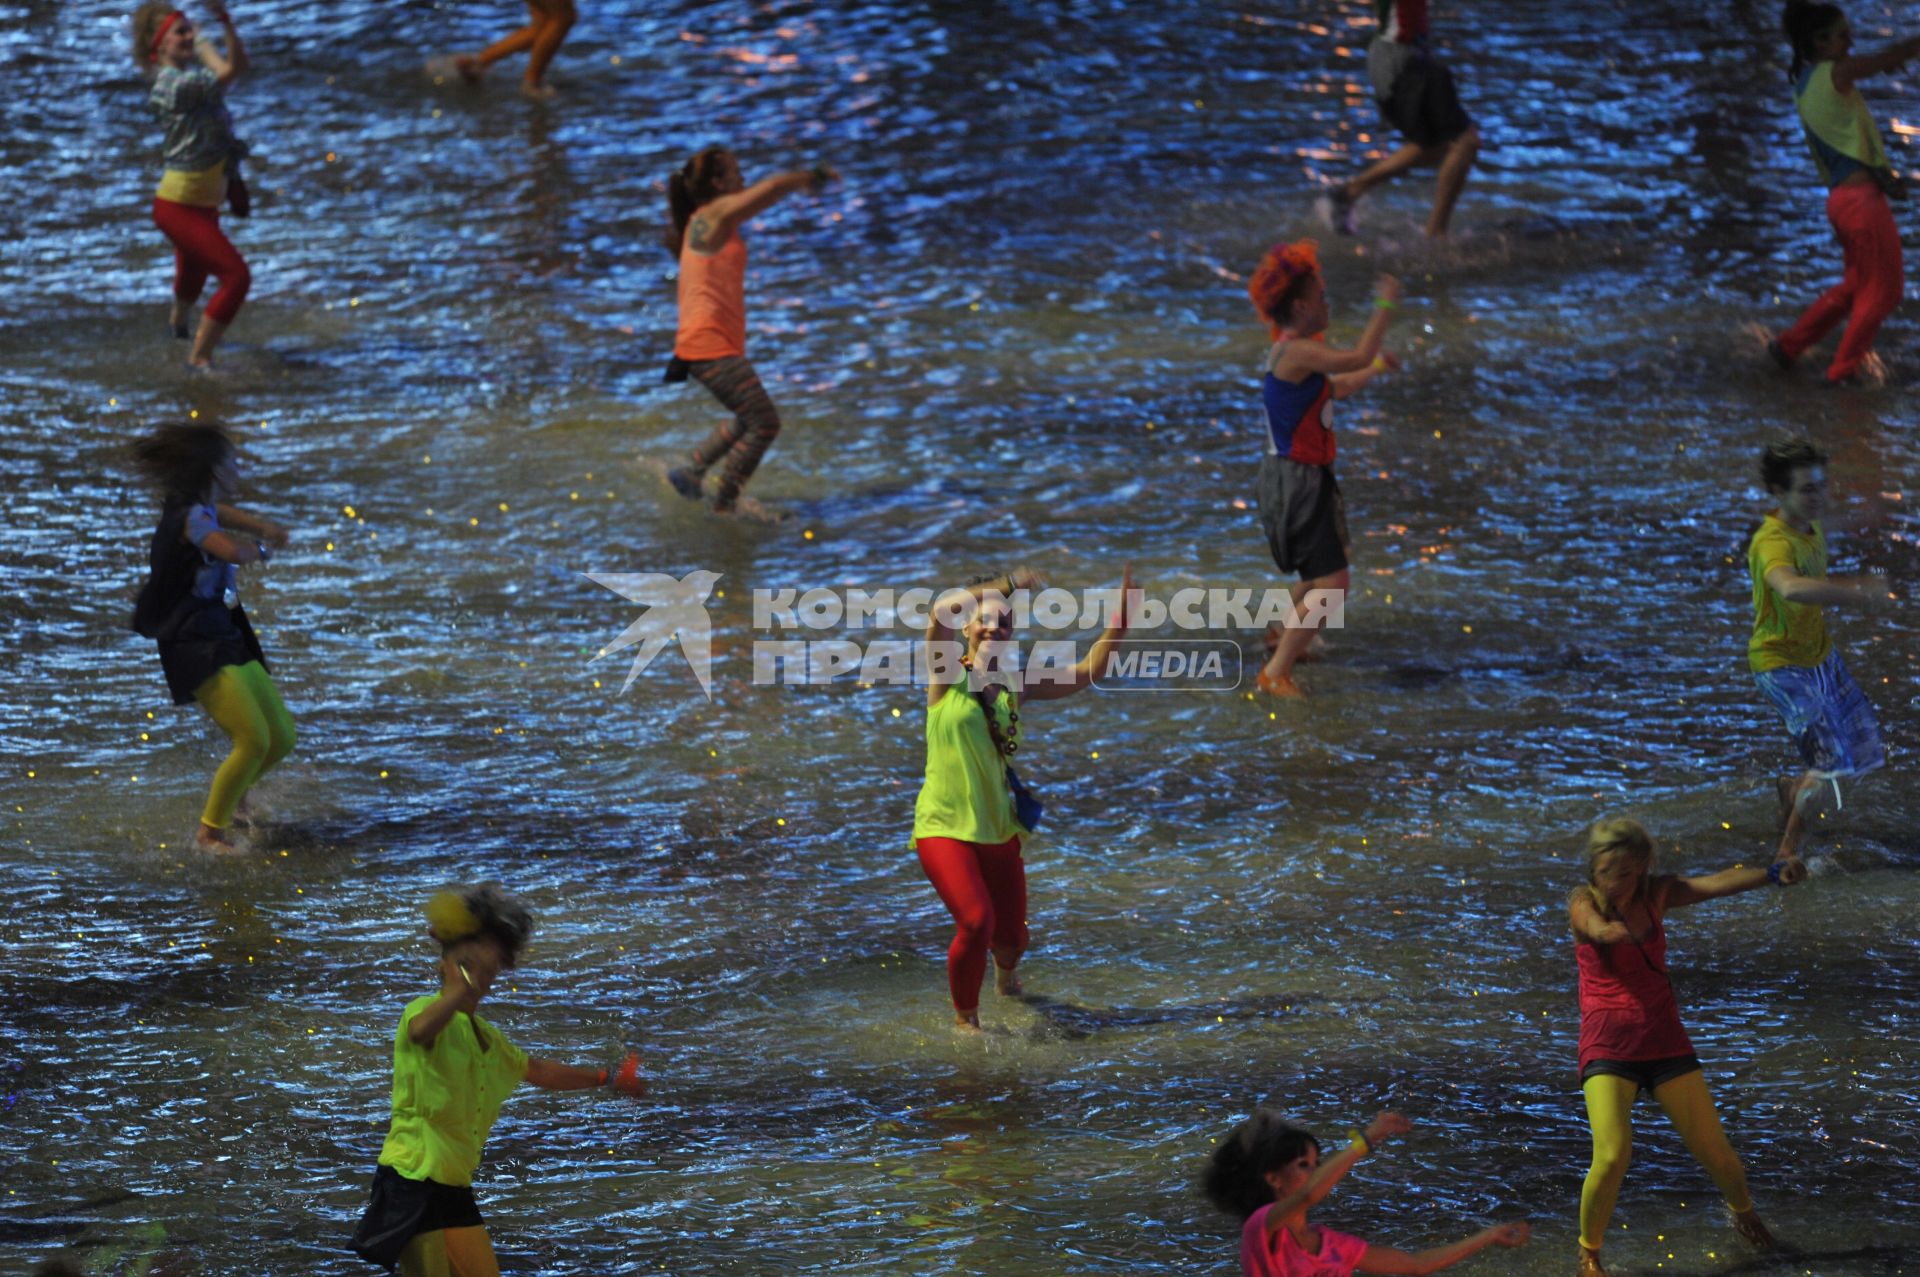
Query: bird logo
x: 676, y: 608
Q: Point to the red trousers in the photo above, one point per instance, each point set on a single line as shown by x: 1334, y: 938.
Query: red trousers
x: 1872, y: 287
x: 985, y: 888
x: 201, y: 249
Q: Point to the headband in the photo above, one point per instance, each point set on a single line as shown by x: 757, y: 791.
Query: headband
x: 153, y: 50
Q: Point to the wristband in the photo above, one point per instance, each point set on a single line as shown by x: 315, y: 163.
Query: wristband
x: 603, y: 1078
x: 1773, y: 871
x: 1379, y: 363
x: 1385, y: 303
x: 1358, y: 1137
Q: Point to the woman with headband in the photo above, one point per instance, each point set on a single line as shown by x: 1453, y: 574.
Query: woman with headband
x: 190, y: 79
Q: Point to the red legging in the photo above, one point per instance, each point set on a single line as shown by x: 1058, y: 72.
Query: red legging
x: 985, y: 888
x: 1874, y: 281
x: 200, y: 249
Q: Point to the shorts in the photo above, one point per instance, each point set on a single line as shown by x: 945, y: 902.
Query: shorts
x: 1648, y: 1073
x: 1415, y: 93
x: 1304, y: 517
x: 1827, y: 715
x: 400, y: 1209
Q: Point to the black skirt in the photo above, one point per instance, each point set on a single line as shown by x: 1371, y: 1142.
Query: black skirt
x: 399, y: 1209
x: 211, y: 639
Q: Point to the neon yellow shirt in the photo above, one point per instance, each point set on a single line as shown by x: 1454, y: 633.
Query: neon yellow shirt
x: 1840, y: 130
x: 202, y: 188
x: 1786, y: 633
x: 446, y: 1095
x: 964, y: 794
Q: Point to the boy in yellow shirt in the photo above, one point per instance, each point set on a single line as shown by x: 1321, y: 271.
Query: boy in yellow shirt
x: 1791, y: 656
x: 451, y: 1072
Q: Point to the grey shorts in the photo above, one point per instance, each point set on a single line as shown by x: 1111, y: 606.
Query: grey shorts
x: 1304, y: 517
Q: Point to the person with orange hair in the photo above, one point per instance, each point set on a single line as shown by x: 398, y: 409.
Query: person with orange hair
x: 1301, y: 510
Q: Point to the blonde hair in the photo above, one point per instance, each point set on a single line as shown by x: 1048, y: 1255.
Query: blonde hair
x: 1611, y: 836
x: 146, y: 24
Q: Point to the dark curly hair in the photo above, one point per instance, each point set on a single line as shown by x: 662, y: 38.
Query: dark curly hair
x: 1236, y: 1176
x: 480, y: 909
x: 697, y: 182
x: 178, y: 459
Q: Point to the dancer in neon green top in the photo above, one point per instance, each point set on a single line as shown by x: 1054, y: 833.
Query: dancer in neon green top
x: 451, y: 1072
x: 965, y: 827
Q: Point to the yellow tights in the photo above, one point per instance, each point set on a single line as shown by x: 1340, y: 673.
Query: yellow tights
x: 244, y: 702
x: 1610, y: 1113
x: 450, y: 1252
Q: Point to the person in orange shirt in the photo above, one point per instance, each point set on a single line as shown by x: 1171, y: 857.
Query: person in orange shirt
x: 709, y: 202
x: 548, y: 22
x: 1791, y: 656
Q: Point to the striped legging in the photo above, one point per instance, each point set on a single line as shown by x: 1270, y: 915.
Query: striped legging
x: 742, y: 441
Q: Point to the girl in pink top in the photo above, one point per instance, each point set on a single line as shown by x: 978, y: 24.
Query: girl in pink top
x: 1631, y: 1038
x: 1270, y: 1173
x: 710, y: 202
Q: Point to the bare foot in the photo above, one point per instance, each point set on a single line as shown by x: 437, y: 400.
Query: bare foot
x: 748, y: 508
x: 967, y: 1022
x: 1281, y: 685
x: 1590, y: 1263
x: 538, y: 92
x: 1752, y: 1231
x: 215, y: 841
x: 1006, y: 982
x: 470, y: 68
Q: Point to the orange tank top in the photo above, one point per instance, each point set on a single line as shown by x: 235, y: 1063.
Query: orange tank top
x: 713, y: 301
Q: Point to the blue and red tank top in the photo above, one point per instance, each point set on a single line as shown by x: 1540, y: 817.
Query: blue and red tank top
x: 1299, y: 417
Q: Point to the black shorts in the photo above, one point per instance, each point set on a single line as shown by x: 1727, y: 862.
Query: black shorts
x: 1304, y: 517
x: 400, y: 1209
x: 1424, y: 106
x: 1648, y: 1073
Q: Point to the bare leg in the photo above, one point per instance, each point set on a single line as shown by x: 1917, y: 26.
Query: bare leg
x: 553, y: 25
x: 1453, y: 179
x: 1006, y: 980
x: 1277, y: 677
x: 1408, y: 156
x: 473, y: 65
x: 204, y: 341
x: 1794, y: 793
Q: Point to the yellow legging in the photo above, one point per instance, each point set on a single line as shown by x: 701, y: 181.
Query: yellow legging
x: 449, y: 1252
x: 1610, y: 1113
x: 244, y: 702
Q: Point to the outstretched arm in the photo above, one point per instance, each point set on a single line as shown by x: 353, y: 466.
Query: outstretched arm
x: 1786, y: 871
x: 550, y: 1075
x: 1848, y: 70
x: 256, y: 525
x: 1385, y: 1259
x: 1333, y: 1169
x: 1860, y: 591
x: 1301, y: 357
x: 1094, y: 663
x: 714, y: 222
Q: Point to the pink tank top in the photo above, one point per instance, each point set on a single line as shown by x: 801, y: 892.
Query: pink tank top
x: 713, y: 301
x: 1627, y: 1008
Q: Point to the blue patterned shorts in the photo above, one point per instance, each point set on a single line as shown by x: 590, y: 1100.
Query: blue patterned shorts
x: 1827, y: 715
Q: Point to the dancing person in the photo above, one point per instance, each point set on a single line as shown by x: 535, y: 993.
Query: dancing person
x: 1853, y: 163
x: 202, y: 158
x: 451, y: 1072
x: 709, y: 202
x: 1631, y: 1038
x: 1270, y: 1174
x: 967, y: 826
x: 1791, y: 655
x: 1301, y: 509
x: 1416, y: 95
x: 207, y: 648
x: 548, y: 22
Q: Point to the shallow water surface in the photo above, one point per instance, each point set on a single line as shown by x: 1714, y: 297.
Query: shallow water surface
x: 1017, y: 330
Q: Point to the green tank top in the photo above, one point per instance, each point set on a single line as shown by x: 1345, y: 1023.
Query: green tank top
x: 1840, y: 130
x: 964, y: 795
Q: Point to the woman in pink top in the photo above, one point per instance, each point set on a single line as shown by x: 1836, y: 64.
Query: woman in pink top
x: 709, y: 202
x: 1270, y: 1173
x: 1631, y: 1038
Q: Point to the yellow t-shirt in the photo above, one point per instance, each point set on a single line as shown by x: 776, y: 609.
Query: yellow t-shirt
x: 964, y: 795
x: 1786, y: 633
x: 446, y: 1095
x: 202, y: 188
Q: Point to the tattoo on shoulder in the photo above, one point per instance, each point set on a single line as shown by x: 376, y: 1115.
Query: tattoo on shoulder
x: 697, y: 233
